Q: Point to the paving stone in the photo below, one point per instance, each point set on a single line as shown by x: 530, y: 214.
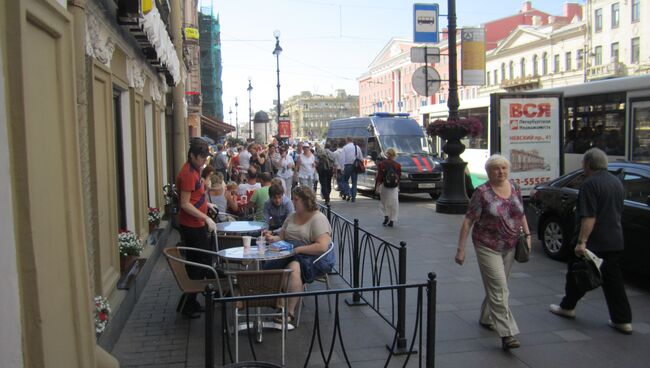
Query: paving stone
x: 572, y: 335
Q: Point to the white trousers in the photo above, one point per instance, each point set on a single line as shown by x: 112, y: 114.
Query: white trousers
x: 495, y: 269
x: 389, y: 202
x: 287, y: 183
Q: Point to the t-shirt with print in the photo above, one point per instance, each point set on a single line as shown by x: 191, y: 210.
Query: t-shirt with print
x: 497, y: 221
x: 308, y: 232
x: 189, y: 180
x: 243, y: 188
x: 601, y: 196
x: 259, y: 198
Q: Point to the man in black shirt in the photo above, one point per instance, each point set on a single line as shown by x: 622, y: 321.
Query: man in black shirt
x: 599, y: 209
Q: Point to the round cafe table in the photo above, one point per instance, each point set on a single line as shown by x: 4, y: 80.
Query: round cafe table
x: 253, y: 228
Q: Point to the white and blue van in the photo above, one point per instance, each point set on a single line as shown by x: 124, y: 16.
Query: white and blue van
x: 421, y: 171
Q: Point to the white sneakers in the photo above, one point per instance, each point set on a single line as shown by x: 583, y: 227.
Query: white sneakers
x: 566, y: 313
x: 624, y: 328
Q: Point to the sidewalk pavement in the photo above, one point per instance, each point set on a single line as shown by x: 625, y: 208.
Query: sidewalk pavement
x: 156, y: 336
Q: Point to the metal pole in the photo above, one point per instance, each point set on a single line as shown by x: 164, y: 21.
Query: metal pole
x: 356, y: 257
x: 431, y: 321
x: 250, y: 110
x: 277, y: 58
x: 209, y: 322
x: 401, y: 299
x: 452, y: 101
x: 237, y: 117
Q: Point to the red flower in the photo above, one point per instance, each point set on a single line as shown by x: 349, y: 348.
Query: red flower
x: 103, y: 316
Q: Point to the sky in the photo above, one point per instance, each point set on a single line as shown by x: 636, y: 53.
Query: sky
x: 327, y: 44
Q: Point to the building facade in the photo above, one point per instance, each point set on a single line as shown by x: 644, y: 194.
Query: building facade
x: 617, y: 38
x: 310, y: 114
x: 86, y: 138
x: 387, y: 84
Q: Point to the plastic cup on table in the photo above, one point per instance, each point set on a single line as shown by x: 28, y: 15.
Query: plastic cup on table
x: 246, y: 240
x: 261, y: 244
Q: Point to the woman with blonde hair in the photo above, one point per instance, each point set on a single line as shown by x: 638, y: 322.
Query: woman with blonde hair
x: 387, y: 186
x: 496, y: 211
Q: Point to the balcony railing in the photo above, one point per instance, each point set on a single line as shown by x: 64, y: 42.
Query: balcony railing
x: 521, y: 83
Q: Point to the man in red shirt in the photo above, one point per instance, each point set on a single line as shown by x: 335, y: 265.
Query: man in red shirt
x: 196, y: 226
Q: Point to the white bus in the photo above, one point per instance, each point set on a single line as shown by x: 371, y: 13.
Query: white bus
x: 612, y: 114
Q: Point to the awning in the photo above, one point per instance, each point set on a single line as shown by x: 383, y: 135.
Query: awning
x: 214, y: 128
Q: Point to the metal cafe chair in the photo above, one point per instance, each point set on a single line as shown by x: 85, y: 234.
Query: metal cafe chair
x: 177, y: 263
x: 324, y: 279
x: 260, y: 283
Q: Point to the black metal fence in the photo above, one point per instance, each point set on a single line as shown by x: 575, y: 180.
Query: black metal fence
x: 421, y: 331
x: 367, y: 260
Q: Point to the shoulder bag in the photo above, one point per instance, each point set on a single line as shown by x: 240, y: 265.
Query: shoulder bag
x: 358, y: 164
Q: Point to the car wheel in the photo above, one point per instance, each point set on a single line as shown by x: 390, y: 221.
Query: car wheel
x: 434, y: 195
x: 554, y: 238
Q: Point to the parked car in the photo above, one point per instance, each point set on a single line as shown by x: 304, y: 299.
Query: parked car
x: 555, y: 203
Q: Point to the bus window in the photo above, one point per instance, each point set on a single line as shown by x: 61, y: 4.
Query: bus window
x: 641, y: 131
x: 595, y: 121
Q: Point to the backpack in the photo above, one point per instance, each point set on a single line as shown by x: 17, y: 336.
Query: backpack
x: 217, y: 162
x: 325, y: 162
x: 391, y: 180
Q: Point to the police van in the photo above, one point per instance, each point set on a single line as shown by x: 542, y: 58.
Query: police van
x: 374, y: 134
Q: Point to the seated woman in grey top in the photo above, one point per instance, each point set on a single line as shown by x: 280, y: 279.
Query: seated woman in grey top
x: 310, y: 233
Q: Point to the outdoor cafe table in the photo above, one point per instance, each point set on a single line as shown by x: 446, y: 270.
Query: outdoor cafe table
x: 239, y: 254
x: 242, y: 227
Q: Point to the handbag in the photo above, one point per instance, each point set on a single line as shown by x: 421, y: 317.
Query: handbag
x: 359, y: 167
x: 522, y: 253
x: 585, y: 274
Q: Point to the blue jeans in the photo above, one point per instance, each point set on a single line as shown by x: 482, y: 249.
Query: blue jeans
x: 350, y: 173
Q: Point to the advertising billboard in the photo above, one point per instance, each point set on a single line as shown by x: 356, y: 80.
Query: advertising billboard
x: 284, y: 128
x: 529, y: 135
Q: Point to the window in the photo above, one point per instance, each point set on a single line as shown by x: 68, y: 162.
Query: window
x: 544, y: 63
x: 641, y: 131
x: 522, y: 66
x: 556, y: 63
x: 598, y: 20
x: 567, y: 61
x: 511, y: 70
x: 595, y: 121
x: 535, y: 71
x: 636, y: 10
x: 598, y: 55
x: 496, y: 76
x: 637, y: 188
x: 616, y: 15
x: 576, y: 182
x: 635, y: 50
x: 488, y: 78
x: 614, y: 52
x: 503, y: 71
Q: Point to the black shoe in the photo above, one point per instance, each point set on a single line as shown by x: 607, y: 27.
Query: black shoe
x: 385, y: 221
x: 190, y: 313
x: 390, y: 224
x: 347, y: 198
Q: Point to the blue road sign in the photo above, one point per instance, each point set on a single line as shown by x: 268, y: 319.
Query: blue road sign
x: 425, y: 23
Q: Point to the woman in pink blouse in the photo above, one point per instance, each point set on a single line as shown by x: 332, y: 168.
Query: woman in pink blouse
x: 496, y: 211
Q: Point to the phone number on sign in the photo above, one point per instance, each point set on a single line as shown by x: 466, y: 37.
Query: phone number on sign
x: 532, y: 181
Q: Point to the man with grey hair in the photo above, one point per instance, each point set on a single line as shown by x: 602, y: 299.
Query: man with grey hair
x: 599, y: 209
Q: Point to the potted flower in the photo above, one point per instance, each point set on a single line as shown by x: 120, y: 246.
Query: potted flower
x: 102, y: 314
x: 154, y: 218
x: 452, y: 130
x: 130, y: 248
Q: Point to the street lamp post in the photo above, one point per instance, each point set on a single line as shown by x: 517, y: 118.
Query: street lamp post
x: 277, y: 52
x: 237, y: 117
x: 250, y: 109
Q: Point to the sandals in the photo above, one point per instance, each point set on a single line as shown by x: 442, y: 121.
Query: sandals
x: 509, y: 342
x: 290, y: 321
